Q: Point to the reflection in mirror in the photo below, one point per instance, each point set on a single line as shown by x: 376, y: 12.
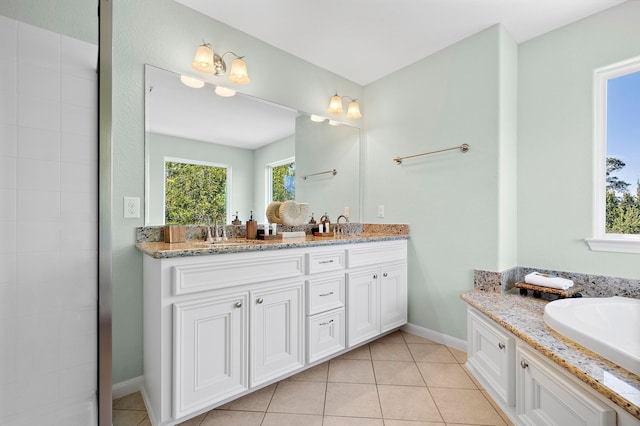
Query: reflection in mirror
x: 264, y: 149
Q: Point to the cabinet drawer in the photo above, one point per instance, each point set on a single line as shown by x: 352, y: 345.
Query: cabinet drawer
x: 376, y: 253
x: 325, y: 293
x: 228, y: 272
x: 491, y: 353
x: 543, y: 398
x: 325, y: 261
x: 325, y: 334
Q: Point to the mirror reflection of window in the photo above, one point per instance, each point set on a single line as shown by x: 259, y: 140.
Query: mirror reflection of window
x: 282, y: 176
x: 193, y: 191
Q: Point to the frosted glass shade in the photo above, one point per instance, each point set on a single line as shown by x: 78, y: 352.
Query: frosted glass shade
x: 203, y: 61
x: 191, y: 82
x: 238, y: 73
x: 353, y: 111
x: 224, y: 92
x: 335, y: 105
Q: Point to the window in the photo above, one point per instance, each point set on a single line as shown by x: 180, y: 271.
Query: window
x: 193, y: 190
x: 282, y: 184
x: 617, y: 132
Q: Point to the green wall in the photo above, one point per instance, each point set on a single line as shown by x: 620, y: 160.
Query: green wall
x: 556, y: 142
x: 453, y: 202
x: 275, y: 151
x: 165, y: 34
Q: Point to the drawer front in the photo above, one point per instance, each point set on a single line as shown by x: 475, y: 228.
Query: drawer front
x: 325, y: 334
x: 491, y: 352
x: 325, y: 293
x: 325, y: 261
x: 226, y: 272
x: 376, y: 253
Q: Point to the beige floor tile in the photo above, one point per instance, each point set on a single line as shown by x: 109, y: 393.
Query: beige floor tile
x: 397, y: 373
x: 353, y: 400
x: 395, y: 337
x: 388, y: 422
x: 145, y: 422
x: 472, y: 377
x: 127, y: 417
x: 475, y: 409
x: 445, y: 375
x: 351, y: 421
x: 130, y: 402
x: 430, y: 353
x: 232, y: 418
x: 313, y: 374
x: 196, y: 421
x: 351, y: 371
x: 412, y: 338
x: 460, y: 356
x: 390, y: 352
x: 255, y: 401
x: 298, y: 398
x: 283, y: 419
x: 362, y: 352
x: 408, y: 403
x: 506, y: 418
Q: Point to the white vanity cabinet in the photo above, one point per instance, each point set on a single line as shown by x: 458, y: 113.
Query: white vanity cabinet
x: 531, y: 389
x: 219, y: 326
x: 277, y: 327
x: 210, y: 351
x: 376, y: 290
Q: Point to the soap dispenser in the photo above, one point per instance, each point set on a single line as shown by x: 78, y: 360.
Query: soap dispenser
x: 252, y: 228
x: 236, y: 221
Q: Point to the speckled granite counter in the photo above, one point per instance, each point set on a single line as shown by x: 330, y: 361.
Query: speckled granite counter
x: 161, y: 250
x: 522, y: 316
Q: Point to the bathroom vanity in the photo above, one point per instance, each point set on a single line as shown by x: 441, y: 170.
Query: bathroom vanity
x: 221, y: 323
x: 537, y: 377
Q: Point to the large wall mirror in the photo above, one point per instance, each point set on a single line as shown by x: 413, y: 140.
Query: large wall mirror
x: 247, y: 144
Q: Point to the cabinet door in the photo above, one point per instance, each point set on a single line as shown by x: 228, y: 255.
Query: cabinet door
x: 325, y: 334
x: 277, y: 330
x: 542, y: 399
x: 210, y: 352
x: 363, y: 319
x: 393, y: 297
x: 491, y: 353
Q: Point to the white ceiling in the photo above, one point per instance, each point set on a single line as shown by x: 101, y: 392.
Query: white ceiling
x: 364, y: 40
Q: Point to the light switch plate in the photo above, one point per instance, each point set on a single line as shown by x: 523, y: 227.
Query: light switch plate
x: 381, y: 210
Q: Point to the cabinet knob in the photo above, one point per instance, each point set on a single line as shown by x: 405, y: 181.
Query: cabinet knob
x: 385, y: 274
x: 238, y: 304
x: 375, y: 276
x: 501, y: 345
x: 259, y: 300
x: 523, y: 364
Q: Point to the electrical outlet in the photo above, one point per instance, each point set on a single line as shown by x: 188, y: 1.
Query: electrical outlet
x: 131, y: 207
x: 381, y: 210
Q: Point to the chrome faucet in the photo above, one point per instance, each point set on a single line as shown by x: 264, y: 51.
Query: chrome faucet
x: 224, y: 229
x: 206, y: 218
x: 340, y: 229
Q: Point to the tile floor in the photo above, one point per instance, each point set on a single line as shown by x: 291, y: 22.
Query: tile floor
x: 398, y: 380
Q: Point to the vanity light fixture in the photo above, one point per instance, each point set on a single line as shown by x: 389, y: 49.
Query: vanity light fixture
x: 353, y: 109
x: 207, y: 61
x: 192, y: 82
x: 224, y: 92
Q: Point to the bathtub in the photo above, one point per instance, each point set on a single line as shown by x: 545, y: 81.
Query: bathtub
x: 608, y: 326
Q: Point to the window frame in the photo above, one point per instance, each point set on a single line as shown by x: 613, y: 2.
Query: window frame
x: 228, y: 194
x: 269, y: 177
x: 601, y: 240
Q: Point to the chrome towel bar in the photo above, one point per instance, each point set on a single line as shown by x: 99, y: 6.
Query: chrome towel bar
x: 463, y: 148
x: 333, y: 172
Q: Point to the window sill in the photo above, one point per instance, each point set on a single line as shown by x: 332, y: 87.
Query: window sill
x: 618, y: 244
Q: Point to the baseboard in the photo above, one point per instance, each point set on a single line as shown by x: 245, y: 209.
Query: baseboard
x: 118, y: 390
x: 436, y: 336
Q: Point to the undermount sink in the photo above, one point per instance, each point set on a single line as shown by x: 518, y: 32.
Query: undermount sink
x: 222, y: 243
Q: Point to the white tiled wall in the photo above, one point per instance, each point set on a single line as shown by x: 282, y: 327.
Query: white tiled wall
x: 48, y: 227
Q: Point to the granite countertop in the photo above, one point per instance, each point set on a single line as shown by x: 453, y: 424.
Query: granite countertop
x: 162, y: 250
x: 522, y: 316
